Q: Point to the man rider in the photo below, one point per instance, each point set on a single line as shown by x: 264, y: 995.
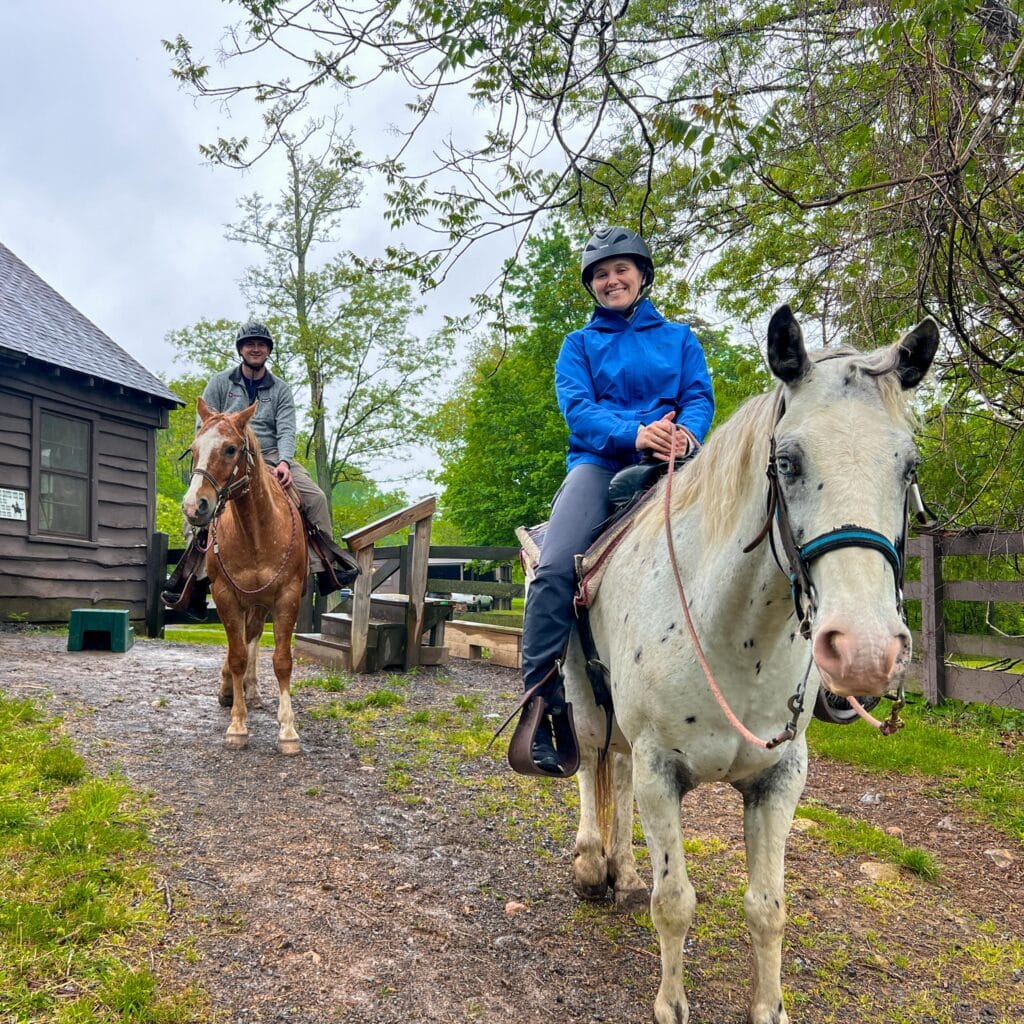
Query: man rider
x: 236, y: 389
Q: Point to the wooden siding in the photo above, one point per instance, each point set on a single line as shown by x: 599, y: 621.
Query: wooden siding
x: 41, y: 577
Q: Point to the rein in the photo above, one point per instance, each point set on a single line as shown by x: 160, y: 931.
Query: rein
x: 232, y: 489
x: 796, y: 702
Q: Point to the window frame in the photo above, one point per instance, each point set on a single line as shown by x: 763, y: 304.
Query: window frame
x: 91, y: 420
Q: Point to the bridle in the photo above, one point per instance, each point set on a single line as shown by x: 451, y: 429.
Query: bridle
x: 233, y: 488
x: 799, y: 557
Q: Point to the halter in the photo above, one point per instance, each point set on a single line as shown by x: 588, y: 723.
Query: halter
x: 800, y: 557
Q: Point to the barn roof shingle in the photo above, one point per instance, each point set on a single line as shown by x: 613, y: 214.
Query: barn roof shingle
x: 41, y: 324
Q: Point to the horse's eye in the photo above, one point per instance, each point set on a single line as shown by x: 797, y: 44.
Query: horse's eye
x: 230, y: 450
x: 787, y: 467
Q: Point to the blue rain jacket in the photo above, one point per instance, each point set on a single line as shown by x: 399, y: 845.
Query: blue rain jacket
x: 614, y: 374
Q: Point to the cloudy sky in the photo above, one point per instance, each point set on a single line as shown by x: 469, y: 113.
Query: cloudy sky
x: 102, y: 190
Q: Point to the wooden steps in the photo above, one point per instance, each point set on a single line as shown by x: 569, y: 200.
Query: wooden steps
x: 385, y: 639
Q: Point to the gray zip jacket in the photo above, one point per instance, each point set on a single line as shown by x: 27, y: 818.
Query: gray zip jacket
x: 274, y: 420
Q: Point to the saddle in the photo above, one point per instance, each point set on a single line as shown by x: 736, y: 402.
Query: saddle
x: 628, y: 492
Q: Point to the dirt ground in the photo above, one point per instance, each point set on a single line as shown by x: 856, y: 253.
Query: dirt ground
x: 309, y: 889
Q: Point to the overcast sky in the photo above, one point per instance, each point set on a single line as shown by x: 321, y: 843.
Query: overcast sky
x: 102, y: 189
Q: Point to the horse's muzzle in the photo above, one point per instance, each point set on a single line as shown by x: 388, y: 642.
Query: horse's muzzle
x: 198, y: 513
x: 860, y: 663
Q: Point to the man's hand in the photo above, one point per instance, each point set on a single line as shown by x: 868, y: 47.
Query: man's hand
x: 283, y: 473
x: 656, y: 437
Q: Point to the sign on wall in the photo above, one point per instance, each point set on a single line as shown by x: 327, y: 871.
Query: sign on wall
x: 12, y: 504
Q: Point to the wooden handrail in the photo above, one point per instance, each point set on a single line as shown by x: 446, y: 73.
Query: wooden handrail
x: 366, y: 535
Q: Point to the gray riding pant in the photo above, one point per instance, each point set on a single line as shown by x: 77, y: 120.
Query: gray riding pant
x: 578, y: 510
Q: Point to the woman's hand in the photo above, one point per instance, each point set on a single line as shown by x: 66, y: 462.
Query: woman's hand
x: 657, y: 437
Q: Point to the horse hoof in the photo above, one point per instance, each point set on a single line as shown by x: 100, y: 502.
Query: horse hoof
x: 289, y: 747
x: 632, y: 901
x: 236, y: 741
x: 591, y: 891
x: 225, y: 699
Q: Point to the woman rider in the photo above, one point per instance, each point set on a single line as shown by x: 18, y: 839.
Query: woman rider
x: 626, y: 383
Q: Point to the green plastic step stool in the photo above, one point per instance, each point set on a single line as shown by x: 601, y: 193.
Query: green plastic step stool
x: 100, y: 629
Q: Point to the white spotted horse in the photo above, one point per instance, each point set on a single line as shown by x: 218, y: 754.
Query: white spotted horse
x: 836, y: 436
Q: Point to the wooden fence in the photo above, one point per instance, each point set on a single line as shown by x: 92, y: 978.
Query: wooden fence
x: 937, y: 675
x: 933, y: 671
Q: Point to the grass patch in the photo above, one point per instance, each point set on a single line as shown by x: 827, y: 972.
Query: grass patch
x: 963, y: 748
x: 209, y: 634
x: 848, y: 835
x: 80, y: 906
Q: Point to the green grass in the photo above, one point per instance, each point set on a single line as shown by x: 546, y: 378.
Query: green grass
x: 210, y: 634
x: 848, y: 835
x: 963, y: 747
x: 80, y: 904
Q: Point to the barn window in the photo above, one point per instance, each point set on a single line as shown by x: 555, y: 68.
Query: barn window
x: 65, y: 460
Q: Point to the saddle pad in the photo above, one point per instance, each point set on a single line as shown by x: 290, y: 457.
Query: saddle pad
x: 590, y: 566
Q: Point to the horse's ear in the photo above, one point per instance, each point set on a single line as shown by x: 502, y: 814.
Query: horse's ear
x: 915, y: 352
x: 246, y: 414
x: 205, y: 412
x: 786, y: 353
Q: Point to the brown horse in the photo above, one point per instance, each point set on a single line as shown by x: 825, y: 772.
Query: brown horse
x: 256, y: 560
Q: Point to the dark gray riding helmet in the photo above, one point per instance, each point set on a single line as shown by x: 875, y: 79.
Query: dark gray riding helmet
x: 254, y: 329
x: 612, y: 240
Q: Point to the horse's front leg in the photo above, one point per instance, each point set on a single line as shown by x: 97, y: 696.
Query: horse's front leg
x: 631, y: 894
x: 237, y: 736
x: 285, y: 615
x: 660, y: 784
x: 768, y: 806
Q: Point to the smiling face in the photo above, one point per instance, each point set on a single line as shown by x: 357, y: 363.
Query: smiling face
x: 254, y: 353
x: 617, y: 282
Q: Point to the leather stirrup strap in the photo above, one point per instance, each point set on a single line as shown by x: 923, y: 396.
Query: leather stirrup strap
x: 595, y: 673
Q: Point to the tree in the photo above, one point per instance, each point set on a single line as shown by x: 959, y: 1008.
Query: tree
x: 861, y: 161
x: 341, y: 327
x: 500, y: 437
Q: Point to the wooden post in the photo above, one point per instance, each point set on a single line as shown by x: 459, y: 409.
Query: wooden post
x: 156, y: 574
x: 361, y: 607
x: 417, y: 591
x: 404, y: 561
x: 304, y: 622
x: 933, y: 625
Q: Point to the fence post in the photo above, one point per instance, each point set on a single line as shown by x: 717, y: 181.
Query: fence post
x: 933, y: 624
x: 156, y: 573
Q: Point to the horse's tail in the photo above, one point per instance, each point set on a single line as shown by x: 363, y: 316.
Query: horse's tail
x: 604, y: 798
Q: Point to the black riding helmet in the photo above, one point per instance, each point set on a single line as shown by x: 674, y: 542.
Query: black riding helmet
x: 612, y: 240
x: 254, y: 329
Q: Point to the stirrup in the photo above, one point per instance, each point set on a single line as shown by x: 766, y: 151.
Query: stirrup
x: 178, y: 602
x: 520, y: 748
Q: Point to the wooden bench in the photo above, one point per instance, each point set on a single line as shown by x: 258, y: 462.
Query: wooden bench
x: 503, y: 644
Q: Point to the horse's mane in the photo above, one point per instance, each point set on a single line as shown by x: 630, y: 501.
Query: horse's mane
x: 732, y: 462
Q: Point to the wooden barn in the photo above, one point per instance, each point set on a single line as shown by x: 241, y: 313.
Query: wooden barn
x: 78, y: 422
